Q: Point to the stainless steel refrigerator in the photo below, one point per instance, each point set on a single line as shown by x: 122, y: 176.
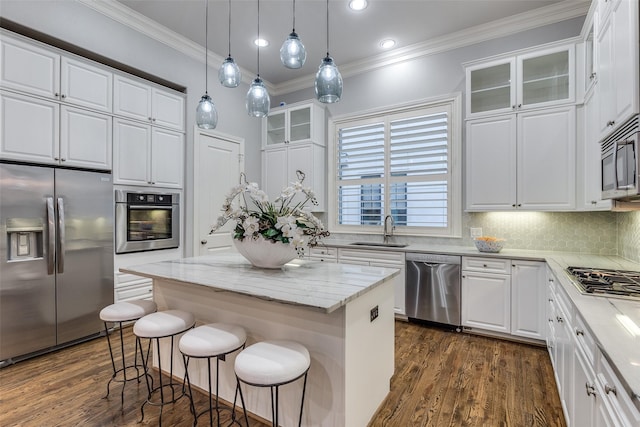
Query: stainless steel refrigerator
x: 56, y: 257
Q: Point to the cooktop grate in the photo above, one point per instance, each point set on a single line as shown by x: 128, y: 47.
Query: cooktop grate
x: 607, y: 282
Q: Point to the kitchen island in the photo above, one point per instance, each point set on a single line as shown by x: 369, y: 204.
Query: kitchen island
x: 343, y: 314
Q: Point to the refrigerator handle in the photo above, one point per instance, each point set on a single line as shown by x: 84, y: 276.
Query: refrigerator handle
x: 61, y: 239
x: 51, y: 236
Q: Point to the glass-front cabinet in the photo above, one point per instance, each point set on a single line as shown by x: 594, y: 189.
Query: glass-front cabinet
x: 298, y: 123
x: 539, y: 78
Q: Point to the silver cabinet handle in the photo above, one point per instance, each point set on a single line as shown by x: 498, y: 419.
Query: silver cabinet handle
x: 608, y: 389
x: 559, y: 319
x: 203, y: 242
x: 51, y: 236
x: 579, y: 332
x: 61, y: 235
x: 591, y: 390
x: 63, y: 96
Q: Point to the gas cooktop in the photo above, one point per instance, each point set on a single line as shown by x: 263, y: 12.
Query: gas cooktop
x: 603, y: 282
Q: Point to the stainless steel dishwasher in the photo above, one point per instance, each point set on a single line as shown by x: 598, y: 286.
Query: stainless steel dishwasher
x: 433, y: 288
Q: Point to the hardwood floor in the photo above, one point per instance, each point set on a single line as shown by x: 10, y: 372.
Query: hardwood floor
x: 442, y: 379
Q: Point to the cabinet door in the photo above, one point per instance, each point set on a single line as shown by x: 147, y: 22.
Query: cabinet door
x: 584, y: 392
x: 546, y: 159
x: 29, y: 129
x: 275, y: 128
x: 167, y: 109
x: 486, y: 301
x: 491, y: 163
x: 131, y: 153
x: 85, y: 138
x: 86, y: 85
x: 275, y: 171
x: 491, y: 87
x: 546, y: 78
x: 167, y: 158
x: 299, y: 124
x: 300, y: 157
x: 528, y: 299
x: 131, y: 98
x: 564, y: 359
x: 625, y: 59
x: 28, y: 68
x: 605, y: 79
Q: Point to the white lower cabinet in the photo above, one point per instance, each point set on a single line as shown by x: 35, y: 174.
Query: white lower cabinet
x: 323, y: 254
x: 388, y: 259
x: 129, y: 287
x: 506, y: 296
x: 590, y: 391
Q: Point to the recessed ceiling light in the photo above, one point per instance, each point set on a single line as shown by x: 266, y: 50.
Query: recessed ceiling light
x: 387, y: 43
x: 261, y: 42
x: 358, y: 4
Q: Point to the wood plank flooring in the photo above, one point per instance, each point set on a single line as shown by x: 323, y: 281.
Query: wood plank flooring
x: 442, y: 379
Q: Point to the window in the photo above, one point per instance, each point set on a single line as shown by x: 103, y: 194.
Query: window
x: 402, y: 162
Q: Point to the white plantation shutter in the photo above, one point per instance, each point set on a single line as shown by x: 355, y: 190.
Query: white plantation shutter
x: 398, y: 164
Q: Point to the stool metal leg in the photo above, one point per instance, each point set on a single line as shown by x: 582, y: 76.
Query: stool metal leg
x: 244, y: 408
x: 304, y: 389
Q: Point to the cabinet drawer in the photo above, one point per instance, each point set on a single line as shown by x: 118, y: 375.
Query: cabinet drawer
x: 486, y: 265
x: 323, y: 252
x: 134, y: 292
x: 616, y: 395
x: 127, y: 279
x: 585, y: 339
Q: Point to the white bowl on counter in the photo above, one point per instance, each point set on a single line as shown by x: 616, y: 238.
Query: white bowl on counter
x: 491, y: 246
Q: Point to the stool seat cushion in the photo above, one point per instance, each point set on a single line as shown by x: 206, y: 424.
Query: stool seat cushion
x: 163, y: 324
x: 128, y: 310
x: 212, y: 340
x: 272, y: 362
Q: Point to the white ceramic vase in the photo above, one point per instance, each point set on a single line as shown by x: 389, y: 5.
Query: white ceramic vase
x: 265, y: 253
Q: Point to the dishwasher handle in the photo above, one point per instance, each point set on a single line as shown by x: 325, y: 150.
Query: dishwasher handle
x: 433, y: 259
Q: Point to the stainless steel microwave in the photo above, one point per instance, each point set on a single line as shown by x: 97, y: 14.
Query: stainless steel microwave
x: 146, y: 221
x: 621, y: 163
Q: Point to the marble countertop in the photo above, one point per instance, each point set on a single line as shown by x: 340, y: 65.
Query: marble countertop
x: 602, y: 315
x: 322, y: 286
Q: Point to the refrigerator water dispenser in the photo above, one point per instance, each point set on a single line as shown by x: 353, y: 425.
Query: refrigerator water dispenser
x: 24, y: 237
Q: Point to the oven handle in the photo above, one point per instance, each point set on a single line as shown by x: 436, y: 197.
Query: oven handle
x: 147, y: 207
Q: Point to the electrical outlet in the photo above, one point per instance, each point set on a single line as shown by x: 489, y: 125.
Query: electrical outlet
x: 374, y: 313
x: 476, y: 231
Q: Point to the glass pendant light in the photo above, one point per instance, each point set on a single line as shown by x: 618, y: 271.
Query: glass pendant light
x: 206, y: 114
x: 328, y: 85
x: 292, y: 52
x: 258, y: 101
x: 229, y: 73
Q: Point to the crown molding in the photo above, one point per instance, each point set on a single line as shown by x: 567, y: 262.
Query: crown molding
x: 558, y: 12
x: 150, y: 28
x: 503, y: 27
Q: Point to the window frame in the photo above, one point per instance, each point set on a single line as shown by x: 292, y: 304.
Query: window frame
x: 453, y: 105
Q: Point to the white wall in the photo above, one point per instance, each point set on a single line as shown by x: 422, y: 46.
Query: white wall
x: 79, y: 25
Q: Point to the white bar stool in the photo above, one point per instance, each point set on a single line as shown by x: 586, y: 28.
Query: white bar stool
x: 272, y: 364
x: 155, y: 326
x: 214, y: 340
x: 119, y: 313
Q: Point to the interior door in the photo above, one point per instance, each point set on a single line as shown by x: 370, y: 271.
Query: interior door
x: 218, y: 163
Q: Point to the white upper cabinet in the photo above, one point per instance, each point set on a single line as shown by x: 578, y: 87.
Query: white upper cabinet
x: 54, y: 76
x: 85, y: 138
x: 140, y: 101
x: 539, y: 78
x: 522, y: 161
x: 302, y: 122
x: 617, y: 64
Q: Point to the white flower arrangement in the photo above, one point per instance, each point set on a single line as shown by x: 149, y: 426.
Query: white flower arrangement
x: 278, y: 221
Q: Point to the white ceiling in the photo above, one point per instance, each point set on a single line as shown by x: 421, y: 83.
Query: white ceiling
x: 354, y: 36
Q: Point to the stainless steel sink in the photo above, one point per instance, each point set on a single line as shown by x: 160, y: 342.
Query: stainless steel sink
x: 385, y: 245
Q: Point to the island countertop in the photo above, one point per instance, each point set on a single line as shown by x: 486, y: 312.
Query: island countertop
x: 317, y: 285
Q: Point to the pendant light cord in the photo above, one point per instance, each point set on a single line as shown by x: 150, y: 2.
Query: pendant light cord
x: 206, y: 47
x: 258, y: 73
x: 327, y: 27
x: 229, y: 28
x: 294, y: 17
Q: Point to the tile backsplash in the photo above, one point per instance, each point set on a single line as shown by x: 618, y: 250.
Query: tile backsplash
x: 629, y: 235
x: 602, y: 233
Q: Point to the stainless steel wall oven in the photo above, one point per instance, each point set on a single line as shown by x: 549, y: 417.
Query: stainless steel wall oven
x: 146, y: 221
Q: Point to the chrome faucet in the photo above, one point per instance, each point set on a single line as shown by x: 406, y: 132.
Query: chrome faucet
x: 386, y: 232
